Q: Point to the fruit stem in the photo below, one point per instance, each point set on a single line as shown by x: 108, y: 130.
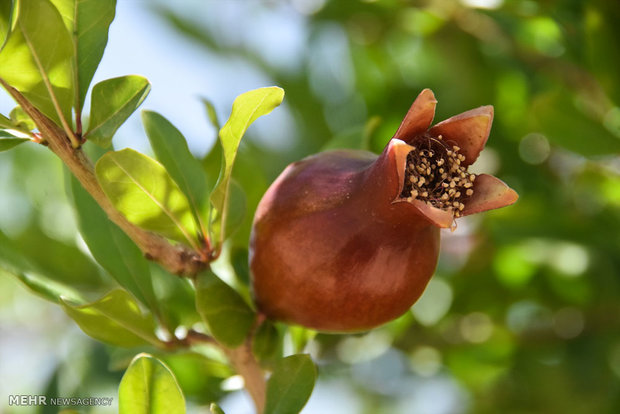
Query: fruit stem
x: 253, y: 375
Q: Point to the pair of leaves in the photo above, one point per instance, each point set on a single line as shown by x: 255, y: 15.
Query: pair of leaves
x: 149, y: 387
x: 88, y: 22
x: 36, y: 58
x: 52, y: 54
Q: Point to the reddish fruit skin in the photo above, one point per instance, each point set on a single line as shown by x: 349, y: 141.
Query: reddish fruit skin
x: 332, y: 247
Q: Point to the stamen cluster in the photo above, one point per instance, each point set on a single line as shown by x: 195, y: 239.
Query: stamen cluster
x: 434, y: 174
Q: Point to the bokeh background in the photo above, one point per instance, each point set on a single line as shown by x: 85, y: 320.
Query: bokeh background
x: 523, y: 314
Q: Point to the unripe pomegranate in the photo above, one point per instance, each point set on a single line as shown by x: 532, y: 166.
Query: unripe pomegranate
x: 347, y: 240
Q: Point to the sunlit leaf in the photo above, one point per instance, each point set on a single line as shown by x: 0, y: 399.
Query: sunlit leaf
x: 36, y: 59
x: 149, y: 387
x: 227, y: 315
x: 5, y: 122
x: 114, y: 319
x: 114, y: 251
x: 112, y: 102
x: 88, y: 21
x: 246, y: 109
x: 8, y: 140
x: 172, y: 151
x: 290, y: 385
x: 21, y: 120
x: 141, y: 189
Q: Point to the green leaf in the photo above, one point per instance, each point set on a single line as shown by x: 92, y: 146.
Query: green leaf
x: 227, y: 315
x: 215, y: 409
x: 199, y: 376
x: 141, y: 189
x: 212, y: 162
x: 246, y: 109
x: 149, y: 387
x: 14, y: 262
x: 267, y: 344
x: 6, y: 7
x: 115, y: 319
x: 172, y: 151
x: 300, y: 336
x: 36, y: 59
x: 47, y: 289
x: 112, y: 102
x: 8, y: 140
x: 5, y: 122
x: 290, y: 385
x: 235, y: 209
x: 88, y: 21
x: 211, y: 113
x: 112, y: 248
x: 21, y: 120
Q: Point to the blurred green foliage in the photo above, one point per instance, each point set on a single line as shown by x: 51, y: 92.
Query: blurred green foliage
x: 523, y: 315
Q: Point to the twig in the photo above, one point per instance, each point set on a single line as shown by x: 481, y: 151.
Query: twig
x: 179, y: 259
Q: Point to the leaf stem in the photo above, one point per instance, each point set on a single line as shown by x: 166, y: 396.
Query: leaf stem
x: 177, y: 259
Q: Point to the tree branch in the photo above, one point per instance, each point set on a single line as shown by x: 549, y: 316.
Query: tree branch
x: 177, y: 259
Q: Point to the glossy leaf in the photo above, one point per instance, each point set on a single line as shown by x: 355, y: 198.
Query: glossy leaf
x: 114, y: 319
x: 149, y: 387
x: 112, y: 248
x: 8, y: 140
x: 290, y: 385
x: 141, y: 189
x: 36, y: 59
x: 246, y: 109
x: 172, y: 151
x: 227, y: 315
x: 112, y: 102
x: 88, y: 21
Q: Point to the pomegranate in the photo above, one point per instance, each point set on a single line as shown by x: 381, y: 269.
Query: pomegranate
x: 346, y: 240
